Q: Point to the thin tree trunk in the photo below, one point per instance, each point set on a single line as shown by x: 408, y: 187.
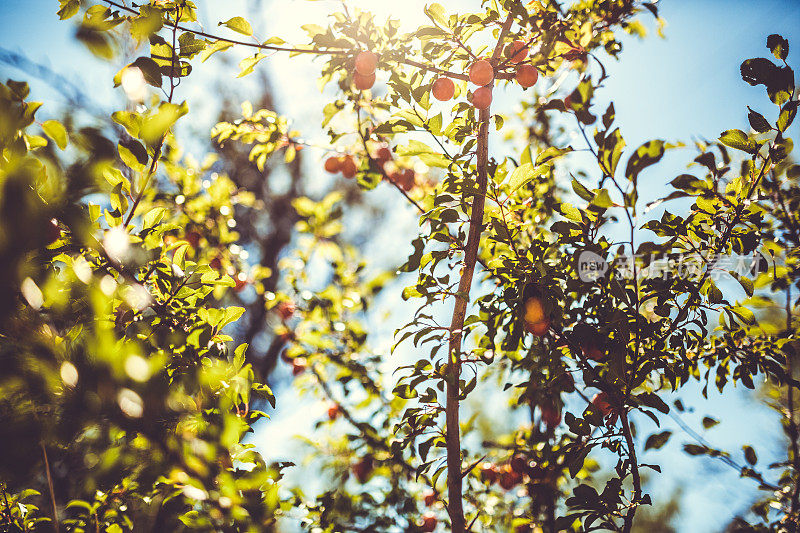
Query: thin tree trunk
x: 455, y: 506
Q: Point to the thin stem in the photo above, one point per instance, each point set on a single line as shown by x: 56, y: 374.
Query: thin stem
x: 50, y: 486
x: 724, y: 457
x: 683, y: 311
x: 455, y: 240
x: 793, y: 431
x: 157, y: 152
x: 626, y: 429
x: 150, y: 172
x: 7, y: 512
x: 637, y: 481
x: 294, y: 50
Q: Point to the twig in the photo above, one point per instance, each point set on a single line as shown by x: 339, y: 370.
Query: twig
x: 375, y: 440
x: 637, y: 481
x: 50, y: 486
x: 728, y: 231
x: 793, y: 432
x: 723, y: 456
x: 157, y: 152
x: 294, y: 50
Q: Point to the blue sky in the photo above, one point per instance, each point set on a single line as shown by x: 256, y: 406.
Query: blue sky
x: 683, y: 87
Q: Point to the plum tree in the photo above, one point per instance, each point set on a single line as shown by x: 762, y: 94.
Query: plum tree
x: 122, y: 375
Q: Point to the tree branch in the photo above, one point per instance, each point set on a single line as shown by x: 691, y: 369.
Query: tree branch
x: 295, y: 50
x: 455, y: 505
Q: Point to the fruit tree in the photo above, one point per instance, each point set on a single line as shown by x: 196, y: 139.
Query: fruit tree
x: 538, y: 272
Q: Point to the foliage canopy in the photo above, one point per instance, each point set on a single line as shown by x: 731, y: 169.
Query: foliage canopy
x: 125, y: 401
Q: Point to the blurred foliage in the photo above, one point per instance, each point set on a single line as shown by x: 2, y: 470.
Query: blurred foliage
x: 125, y: 397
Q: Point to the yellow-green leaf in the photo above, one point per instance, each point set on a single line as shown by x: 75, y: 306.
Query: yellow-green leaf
x: 238, y: 24
x: 56, y: 131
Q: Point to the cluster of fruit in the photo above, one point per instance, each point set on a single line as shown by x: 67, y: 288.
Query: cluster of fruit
x: 514, y: 472
x: 403, y: 177
x: 482, y: 73
x: 364, y: 74
x: 346, y: 165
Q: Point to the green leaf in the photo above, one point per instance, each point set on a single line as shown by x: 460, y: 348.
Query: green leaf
x: 713, y: 292
x: 739, y: 140
x: 602, y: 199
x: 706, y: 205
x: 148, y: 23
x: 608, y: 116
x: 746, y: 283
x: 131, y: 121
x: 551, y: 153
x: 153, y: 217
x: 35, y: 141
x: 231, y: 314
x: 313, y: 29
x: 96, y: 41
x: 779, y: 81
x: 653, y: 400
x: 437, y: 13
x: 750, y: 455
x: 696, y: 449
x: 156, y: 126
x: 238, y: 24
x: 68, y: 9
x: 657, y: 440
x: 56, y: 131
x: 744, y: 314
x: 80, y: 504
x: 132, y: 153
x: 249, y: 63
x: 778, y: 46
x: 190, y: 45
x: 217, y: 46
x: 646, y: 155
x: 610, y: 149
x: 524, y: 174
x: 571, y: 212
x: 150, y: 70
x: 787, y: 115
x: 582, y: 191
x: 758, y: 122
x: 686, y: 182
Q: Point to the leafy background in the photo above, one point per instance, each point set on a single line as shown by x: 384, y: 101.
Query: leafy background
x: 685, y: 84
